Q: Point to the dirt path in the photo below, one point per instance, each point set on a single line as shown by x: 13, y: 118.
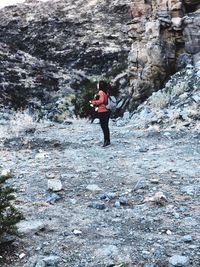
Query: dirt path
x: 107, y: 214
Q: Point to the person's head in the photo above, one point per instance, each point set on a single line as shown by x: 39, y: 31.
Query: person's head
x: 103, y: 86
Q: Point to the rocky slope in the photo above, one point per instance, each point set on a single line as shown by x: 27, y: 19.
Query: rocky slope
x: 133, y: 204
x: 51, y: 50
x: 176, y: 106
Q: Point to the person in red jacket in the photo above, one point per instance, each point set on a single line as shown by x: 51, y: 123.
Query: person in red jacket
x: 100, y: 102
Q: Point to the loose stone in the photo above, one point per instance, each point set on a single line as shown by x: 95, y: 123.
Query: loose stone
x: 97, y: 205
x: 178, y: 260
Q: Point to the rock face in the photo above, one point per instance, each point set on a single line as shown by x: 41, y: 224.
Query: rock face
x: 165, y: 39
x: 50, y: 50
x: 176, y: 106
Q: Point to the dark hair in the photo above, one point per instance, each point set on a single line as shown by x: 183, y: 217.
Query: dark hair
x: 103, y: 85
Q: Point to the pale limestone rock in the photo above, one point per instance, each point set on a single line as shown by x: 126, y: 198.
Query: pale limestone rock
x: 93, y: 188
x: 177, y: 22
x: 40, y: 156
x: 54, y: 185
x: 6, y: 173
x: 30, y: 227
x: 152, y: 29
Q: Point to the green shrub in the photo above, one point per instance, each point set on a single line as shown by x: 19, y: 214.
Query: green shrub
x: 9, y: 215
x: 83, y: 96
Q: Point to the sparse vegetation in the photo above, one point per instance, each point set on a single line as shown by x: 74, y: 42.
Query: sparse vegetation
x: 21, y: 122
x: 160, y: 99
x: 179, y: 88
x: 81, y: 102
x: 9, y: 215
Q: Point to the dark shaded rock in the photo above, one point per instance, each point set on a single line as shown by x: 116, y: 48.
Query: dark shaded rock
x: 7, y: 239
x: 45, y: 46
x: 97, y: 205
x: 183, y: 60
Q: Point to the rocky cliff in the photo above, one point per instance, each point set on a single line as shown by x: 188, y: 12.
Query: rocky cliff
x: 50, y: 51
x: 165, y: 39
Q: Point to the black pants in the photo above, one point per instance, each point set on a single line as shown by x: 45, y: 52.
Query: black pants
x: 104, y: 121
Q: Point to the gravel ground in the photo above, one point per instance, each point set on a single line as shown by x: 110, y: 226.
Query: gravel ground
x: 134, y: 203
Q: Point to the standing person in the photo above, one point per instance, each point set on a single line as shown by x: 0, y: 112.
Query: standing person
x: 100, y: 102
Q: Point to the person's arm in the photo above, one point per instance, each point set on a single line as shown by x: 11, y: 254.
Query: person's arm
x: 101, y: 99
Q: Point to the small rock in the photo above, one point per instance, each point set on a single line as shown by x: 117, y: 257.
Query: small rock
x: 73, y: 201
x: 40, y: 156
x: 126, y: 115
x: 117, y: 204
x: 40, y: 263
x: 145, y: 254
x: 22, y: 255
x: 53, y: 198
x: 158, y: 198
x: 123, y: 201
x: 97, y: 205
x: 143, y: 149
x: 96, y: 121
x: 103, y: 197
x: 50, y: 175
x: 187, y: 238
x: 54, y: 185
x: 77, y: 232
x: 51, y: 260
x: 196, y: 97
x: 93, y: 188
x: 169, y: 232
x: 154, y: 181
x: 141, y: 184
x: 178, y: 260
x: 111, y: 195
x: 26, y: 227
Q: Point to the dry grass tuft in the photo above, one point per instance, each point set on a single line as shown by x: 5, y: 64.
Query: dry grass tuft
x: 19, y: 124
x: 160, y: 100
x: 179, y: 88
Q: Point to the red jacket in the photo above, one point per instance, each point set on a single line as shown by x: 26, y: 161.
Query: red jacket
x: 101, y: 102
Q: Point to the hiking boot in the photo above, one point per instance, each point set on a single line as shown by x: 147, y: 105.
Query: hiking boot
x: 106, y: 143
